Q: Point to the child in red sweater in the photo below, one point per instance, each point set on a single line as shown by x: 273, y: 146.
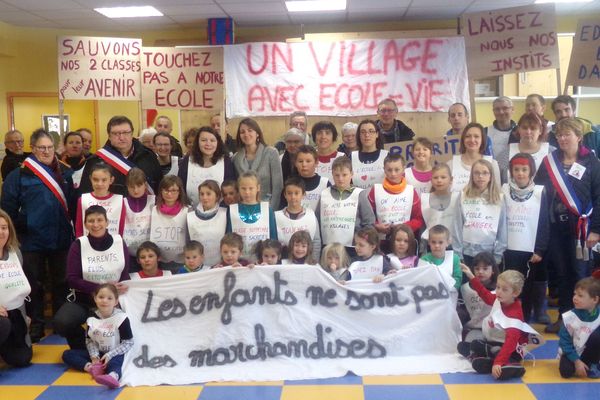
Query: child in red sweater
x: 505, y: 334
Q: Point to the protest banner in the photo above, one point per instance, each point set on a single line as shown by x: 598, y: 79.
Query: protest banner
x: 443, y: 149
x: 292, y: 322
x: 182, y: 78
x: 98, y: 68
x: 584, y: 66
x: 511, y: 40
x: 345, y: 78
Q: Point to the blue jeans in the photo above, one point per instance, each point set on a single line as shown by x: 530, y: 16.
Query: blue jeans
x: 77, y: 358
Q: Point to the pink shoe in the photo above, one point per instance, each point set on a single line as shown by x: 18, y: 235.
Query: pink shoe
x: 107, y: 380
x: 96, y: 369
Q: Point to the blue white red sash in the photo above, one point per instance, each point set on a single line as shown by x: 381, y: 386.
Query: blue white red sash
x: 118, y: 162
x: 568, y: 196
x: 47, y: 179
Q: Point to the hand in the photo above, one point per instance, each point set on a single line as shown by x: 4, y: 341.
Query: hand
x: 393, y: 271
x: 236, y: 265
x: 250, y: 266
x: 496, y: 371
x: 467, y: 271
x: 581, y: 369
x: 381, y: 227
x: 592, y: 239
x: 95, y: 360
x: 378, y: 278
x: 535, y: 258
x: 333, y: 267
x: 3, y: 312
x: 105, y: 359
x: 121, y: 287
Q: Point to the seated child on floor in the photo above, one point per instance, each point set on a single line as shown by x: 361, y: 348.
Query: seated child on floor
x: 335, y: 260
x: 370, y: 263
x: 148, y: 256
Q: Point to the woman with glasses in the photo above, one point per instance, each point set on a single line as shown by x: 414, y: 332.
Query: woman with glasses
x: 39, y: 199
x: 367, y: 162
x: 163, y: 146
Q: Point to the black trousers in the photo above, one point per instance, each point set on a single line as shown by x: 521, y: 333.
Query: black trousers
x: 15, y: 348
x: 70, y: 317
x: 591, y: 355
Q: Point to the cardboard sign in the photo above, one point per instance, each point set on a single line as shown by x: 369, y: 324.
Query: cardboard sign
x: 345, y: 78
x: 95, y: 68
x: 443, y: 149
x: 511, y: 40
x: 182, y: 78
x: 584, y: 67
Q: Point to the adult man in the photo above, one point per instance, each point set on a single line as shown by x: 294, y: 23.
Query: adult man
x: 86, y: 136
x: 122, y: 152
x: 499, y: 132
x: 298, y: 120
x: 293, y: 139
x: 564, y: 107
x: 163, y: 124
x: 392, y: 129
x: 228, y: 140
x: 458, y: 117
x: 13, y: 142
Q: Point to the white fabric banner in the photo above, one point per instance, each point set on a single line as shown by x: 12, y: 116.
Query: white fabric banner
x: 346, y: 77
x: 291, y: 322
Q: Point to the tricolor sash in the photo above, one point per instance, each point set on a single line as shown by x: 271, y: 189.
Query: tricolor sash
x: 47, y: 179
x: 118, y: 162
x: 568, y: 196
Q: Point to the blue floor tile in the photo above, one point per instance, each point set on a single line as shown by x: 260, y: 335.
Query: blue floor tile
x: 562, y: 391
x: 473, y: 378
x: 79, y: 393
x: 240, y: 392
x: 349, y: 379
x: 35, y: 374
x: 405, y: 392
x: 53, y: 339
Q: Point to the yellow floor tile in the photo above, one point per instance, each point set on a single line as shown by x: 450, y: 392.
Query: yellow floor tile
x: 249, y: 383
x: 21, y: 392
x: 433, y: 379
x: 489, y: 392
x: 160, y: 392
x: 546, y: 371
x: 48, y: 354
x: 300, y: 392
x: 75, y: 378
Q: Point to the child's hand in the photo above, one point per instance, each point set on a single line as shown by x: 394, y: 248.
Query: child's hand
x: 105, y: 359
x: 341, y: 282
x: 95, y: 360
x: 217, y: 266
x: 121, y: 287
x: 333, y: 267
x: 381, y: 227
x: 378, y: 278
x: 3, y: 312
x: 581, y: 369
x: 496, y: 371
x: 535, y: 258
x: 467, y: 271
x: 250, y: 266
x: 393, y: 271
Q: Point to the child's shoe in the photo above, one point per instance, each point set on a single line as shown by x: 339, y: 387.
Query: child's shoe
x: 482, y: 365
x: 510, y: 371
x: 107, y: 380
x: 464, y: 349
x: 594, y: 371
x: 96, y: 370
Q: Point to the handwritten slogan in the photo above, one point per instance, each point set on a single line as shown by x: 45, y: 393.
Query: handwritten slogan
x: 584, y: 67
x: 96, y: 68
x: 292, y: 322
x: 180, y: 78
x: 345, y: 77
x: 443, y: 149
x: 511, y: 40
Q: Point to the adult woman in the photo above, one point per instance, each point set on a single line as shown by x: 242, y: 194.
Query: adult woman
x: 73, y: 155
x: 473, y: 142
x: 93, y: 260
x: 14, y: 288
x: 163, y: 146
x: 208, y: 159
x: 367, y: 162
x: 571, y: 176
x: 324, y: 134
x: 254, y: 155
x: 531, y: 131
x: 348, y: 144
x: 38, y: 198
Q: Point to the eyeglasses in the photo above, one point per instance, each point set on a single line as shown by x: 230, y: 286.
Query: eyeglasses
x: 386, y: 110
x: 170, y: 191
x: 563, y: 135
x: 44, y: 149
x: 369, y: 132
x: 124, y: 133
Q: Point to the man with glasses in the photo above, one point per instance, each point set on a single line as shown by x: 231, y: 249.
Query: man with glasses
x: 123, y: 152
x: 163, y: 124
x: 13, y: 142
x: 564, y: 107
x: 392, y: 129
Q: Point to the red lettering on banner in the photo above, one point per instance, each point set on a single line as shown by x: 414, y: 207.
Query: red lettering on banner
x: 249, y: 60
x: 284, y: 99
x: 523, y: 62
x: 322, y: 70
x: 424, y: 94
x: 350, y: 97
x: 370, y: 69
x: 342, y: 54
x: 278, y: 57
x: 350, y: 66
x: 184, y: 98
x: 428, y: 55
x: 323, y: 96
x: 289, y: 61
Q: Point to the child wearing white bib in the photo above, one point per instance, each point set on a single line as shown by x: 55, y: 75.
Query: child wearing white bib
x: 138, y: 212
x: 314, y: 184
x: 148, y: 255
x: 446, y: 260
x: 370, y: 263
x: 404, y: 247
x: 419, y: 175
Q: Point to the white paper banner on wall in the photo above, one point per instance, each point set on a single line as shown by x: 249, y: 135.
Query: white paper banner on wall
x: 345, y: 77
x: 292, y: 322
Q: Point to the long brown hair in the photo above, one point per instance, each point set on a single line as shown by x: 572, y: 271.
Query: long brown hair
x: 12, y: 243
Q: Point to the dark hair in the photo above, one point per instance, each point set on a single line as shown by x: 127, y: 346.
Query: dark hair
x: 462, y: 149
x: 232, y: 239
x: 108, y: 286
x: 212, y: 185
x: 220, y: 152
x: 37, y: 135
x: 302, y: 237
x: 370, y: 235
x: 165, y: 135
x: 341, y: 162
x: 118, y: 120
x: 529, y: 159
x: 378, y: 142
x: 252, y: 124
x: 487, y: 258
x: 230, y: 182
x: 294, y: 181
x: 166, y: 183
x: 147, y: 245
x: 306, y: 149
x: 72, y: 133
x: 425, y: 142
x: 190, y: 132
x: 412, y: 243
x: 95, y: 209
x: 324, y: 126
x: 538, y: 96
x: 261, y: 245
x: 101, y: 166
x: 459, y: 104
x: 135, y: 177
x: 393, y: 157
x: 564, y: 99
x: 194, y: 245
x: 532, y: 119
x: 439, y: 230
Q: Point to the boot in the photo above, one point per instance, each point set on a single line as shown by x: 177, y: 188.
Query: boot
x: 540, y: 305
x: 554, y: 327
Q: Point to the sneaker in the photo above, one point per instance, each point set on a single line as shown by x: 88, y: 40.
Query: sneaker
x: 480, y: 348
x: 464, y: 349
x: 594, y: 371
x: 96, y: 370
x: 510, y: 371
x: 107, y: 380
x: 482, y: 365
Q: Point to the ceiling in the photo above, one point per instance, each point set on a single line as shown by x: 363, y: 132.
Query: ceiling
x: 179, y: 14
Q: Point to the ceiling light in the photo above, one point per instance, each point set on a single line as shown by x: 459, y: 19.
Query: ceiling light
x: 562, y: 1
x: 129, y: 12
x: 315, y: 5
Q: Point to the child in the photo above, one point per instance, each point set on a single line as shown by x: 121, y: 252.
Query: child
x: 101, y: 177
x: 370, y: 263
x: 138, y: 211
x: 230, y: 193
x: 419, y: 175
x: 232, y: 245
x: 296, y: 217
x: 480, y: 223
x: 579, y: 337
x: 475, y: 310
x: 528, y: 234
x: 268, y: 252
x: 148, y: 255
x: 335, y: 260
x: 206, y: 224
x: 505, y: 333
x: 404, y: 247
x: 439, y: 206
x: 343, y: 209
x: 168, y: 225
x: 300, y: 249
x: 193, y: 253
x: 252, y: 219
x: 447, y: 260
x: 306, y: 164
x: 109, y: 337
x: 395, y: 201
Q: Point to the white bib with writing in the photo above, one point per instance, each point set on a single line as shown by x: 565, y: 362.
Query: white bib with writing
x: 102, y: 266
x: 113, y: 206
x: 366, y: 175
x: 208, y: 232
x: 481, y: 221
x: 420, y: 187
x: 169, y: 234
x: 286, y: 227
x: 393, y: 208
x: 14, y: 286
x: 367, y: 269
x: 522, y: 219
x: 538, y: 156
x: 137, y: 225
x: 105, y: 332
x: 252, y: 233
x: 338, y: 217
x: 579, y: 330
x: 475, y: 305
x: 197, y: 174
x: 311, y: 198
x: 433, y: 217
x: 324, y: 169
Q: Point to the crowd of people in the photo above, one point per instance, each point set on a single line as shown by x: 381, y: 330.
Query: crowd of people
x: 515, y: 211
